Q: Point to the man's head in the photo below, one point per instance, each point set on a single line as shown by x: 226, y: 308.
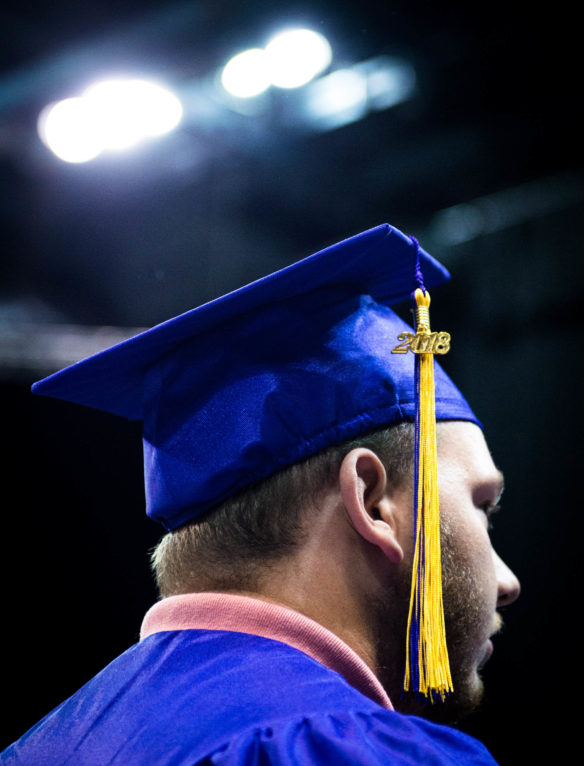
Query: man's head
x: 259, y: 387
x: 333, y: 536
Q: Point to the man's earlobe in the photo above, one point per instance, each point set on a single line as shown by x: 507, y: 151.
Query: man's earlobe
x: 363, y: 484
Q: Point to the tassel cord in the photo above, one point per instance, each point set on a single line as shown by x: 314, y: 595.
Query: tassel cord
x: 427, y: 665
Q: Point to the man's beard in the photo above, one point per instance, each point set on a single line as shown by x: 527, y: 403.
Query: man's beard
x: 464, y: 614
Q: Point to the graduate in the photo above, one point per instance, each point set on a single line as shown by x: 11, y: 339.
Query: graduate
x: 328, y: 587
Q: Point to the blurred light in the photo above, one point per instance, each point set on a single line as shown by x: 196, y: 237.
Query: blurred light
x: 68, y: 130
x: 349, y: 94
x: 31, y: 346
x: 127, y: 111
x: 246, y: 74
x: 337, y: 99
x: 506, y: 208
x: 296, y: 56
x: 114, y: 114
x: 389, y: 81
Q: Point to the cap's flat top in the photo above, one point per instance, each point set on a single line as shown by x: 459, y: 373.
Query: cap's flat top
x: 378, y: 262
x: 233, y: 391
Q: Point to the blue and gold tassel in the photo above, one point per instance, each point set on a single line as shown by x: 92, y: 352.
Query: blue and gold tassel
x: 427, y: 667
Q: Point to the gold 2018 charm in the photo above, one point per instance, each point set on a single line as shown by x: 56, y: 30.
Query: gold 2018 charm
x: 423, y: 343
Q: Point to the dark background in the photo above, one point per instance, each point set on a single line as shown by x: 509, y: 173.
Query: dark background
x: 482, y: 164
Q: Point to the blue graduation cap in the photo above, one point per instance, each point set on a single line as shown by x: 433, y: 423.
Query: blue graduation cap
x: 270, y: 374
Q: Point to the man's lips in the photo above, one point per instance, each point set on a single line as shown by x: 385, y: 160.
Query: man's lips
x: 489, y: 648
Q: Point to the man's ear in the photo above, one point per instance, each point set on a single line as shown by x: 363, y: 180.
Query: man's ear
x: 363, y: 484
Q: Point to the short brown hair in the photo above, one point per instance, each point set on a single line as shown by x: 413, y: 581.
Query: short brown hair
x: 228, y: 547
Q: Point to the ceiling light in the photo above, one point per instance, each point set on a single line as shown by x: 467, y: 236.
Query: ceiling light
x: 296, y: 56
x: 246, y: 75
x: 67, y: 128
x: 113, y: 114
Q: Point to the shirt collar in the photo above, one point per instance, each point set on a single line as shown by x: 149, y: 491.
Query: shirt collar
x: 242, y: 614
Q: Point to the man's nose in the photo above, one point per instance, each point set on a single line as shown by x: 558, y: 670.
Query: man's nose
x: 508, y: 587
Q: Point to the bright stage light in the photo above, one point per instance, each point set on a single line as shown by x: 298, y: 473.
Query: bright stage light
x: 389, y: 81
x: 349, y: 94
x: 337, y: 99
x: 110, y: 115
x: 127, y: 111
x: 68, y: 130
x: 296, y: 56
x: 246, y: 75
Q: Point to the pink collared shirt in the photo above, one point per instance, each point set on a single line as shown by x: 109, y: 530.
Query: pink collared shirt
x: 242, y: 614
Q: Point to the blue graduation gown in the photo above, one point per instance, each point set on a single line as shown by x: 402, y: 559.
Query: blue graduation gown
x: 186, y: 697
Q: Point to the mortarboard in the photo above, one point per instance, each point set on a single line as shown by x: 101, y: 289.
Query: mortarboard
x: 267, y: 375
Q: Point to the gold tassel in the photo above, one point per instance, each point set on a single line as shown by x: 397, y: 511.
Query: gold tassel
x: 427, y: 665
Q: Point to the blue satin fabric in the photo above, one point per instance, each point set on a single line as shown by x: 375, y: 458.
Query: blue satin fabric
x: 274, y: 372
x: 272, y: 391
x: 231, y: 699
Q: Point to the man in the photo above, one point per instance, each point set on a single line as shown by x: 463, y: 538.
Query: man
x: 280, y: 453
